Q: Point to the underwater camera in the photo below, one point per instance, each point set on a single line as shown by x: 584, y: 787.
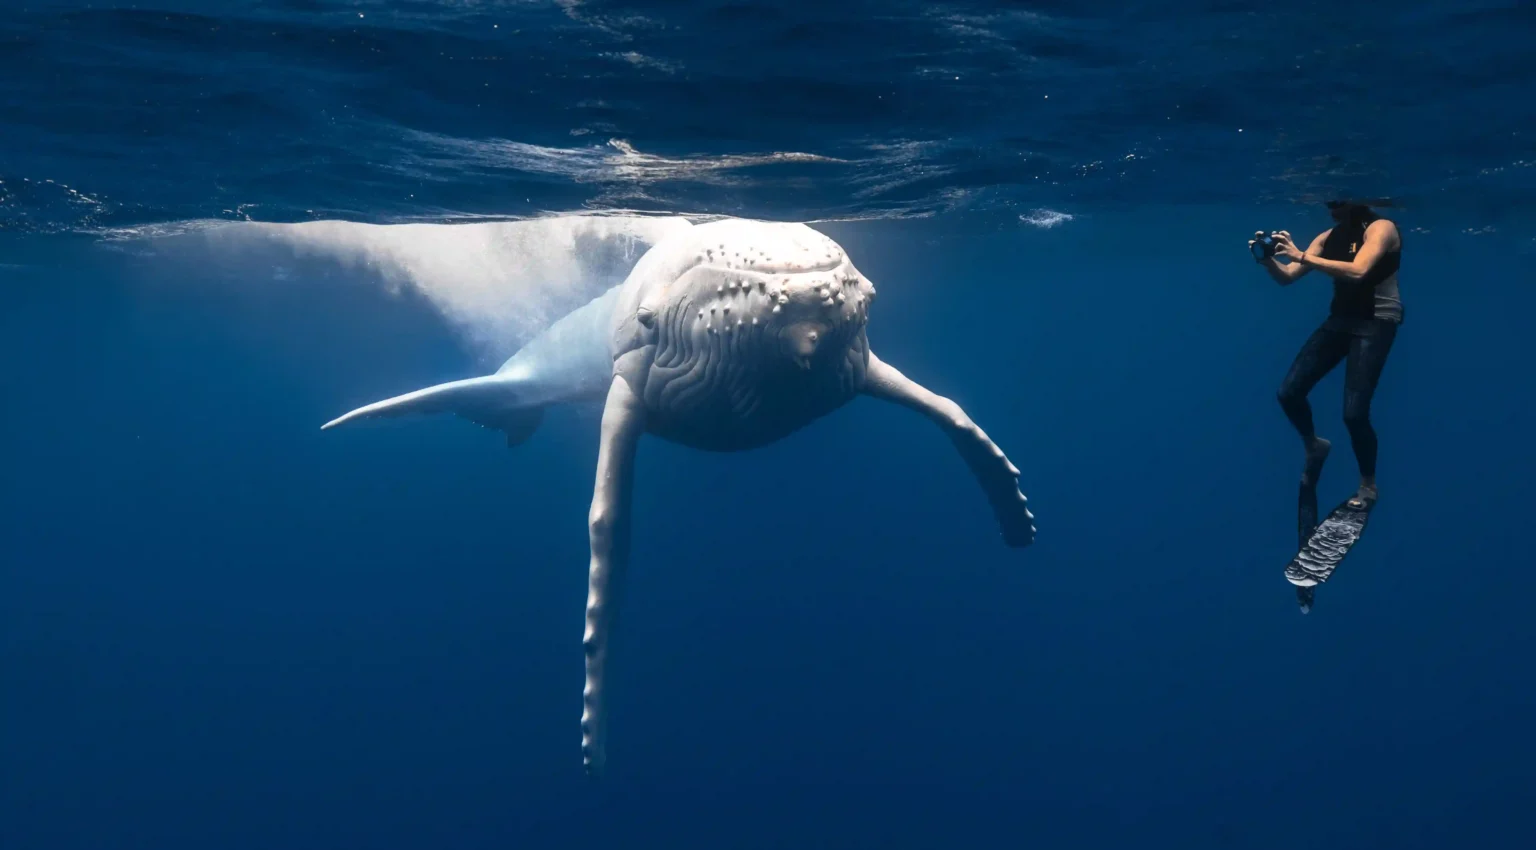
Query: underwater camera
x: 1263, y: 246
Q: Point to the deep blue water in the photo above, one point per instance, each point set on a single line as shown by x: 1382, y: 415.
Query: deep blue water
x: 223, y: 628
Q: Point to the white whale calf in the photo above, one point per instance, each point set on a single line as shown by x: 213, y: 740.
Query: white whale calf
x: 725, y: 336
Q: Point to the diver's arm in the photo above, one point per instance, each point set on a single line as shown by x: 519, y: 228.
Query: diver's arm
x: 1378, y: 237
x: 1287, y: 274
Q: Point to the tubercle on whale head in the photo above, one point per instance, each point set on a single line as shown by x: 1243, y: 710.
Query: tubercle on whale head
x: 802, y: 339
x: 797, y: 312
x: 817, y: 312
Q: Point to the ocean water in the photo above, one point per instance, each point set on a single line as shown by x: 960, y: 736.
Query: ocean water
x: 223, y: 628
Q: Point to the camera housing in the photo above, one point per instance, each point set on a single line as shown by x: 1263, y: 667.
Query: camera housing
x: 1263, y: 247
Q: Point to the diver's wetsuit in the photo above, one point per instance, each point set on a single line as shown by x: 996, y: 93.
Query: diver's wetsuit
x: 1362, y: 324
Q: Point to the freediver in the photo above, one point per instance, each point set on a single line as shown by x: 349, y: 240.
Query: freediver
x: 1361, y: 252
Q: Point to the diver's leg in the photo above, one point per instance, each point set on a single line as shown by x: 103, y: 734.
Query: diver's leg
x: 1318, y: 356
x: 1367, y: 356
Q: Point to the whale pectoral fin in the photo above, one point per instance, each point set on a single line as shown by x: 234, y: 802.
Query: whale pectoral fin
x: 608, y: 528
x: 999, y: 478
x: 490, y: 402
x: 461, y: 397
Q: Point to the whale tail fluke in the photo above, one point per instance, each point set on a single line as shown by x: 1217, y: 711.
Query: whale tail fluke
x: 490, y: 401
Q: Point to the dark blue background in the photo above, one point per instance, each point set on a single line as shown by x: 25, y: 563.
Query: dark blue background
x: 223, y: 628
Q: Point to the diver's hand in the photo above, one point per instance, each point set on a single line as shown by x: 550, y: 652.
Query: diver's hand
x: 1284, y: 247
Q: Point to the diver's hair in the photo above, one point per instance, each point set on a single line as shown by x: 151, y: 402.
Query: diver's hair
x: 1353, y: 210
x: 1370, y: 205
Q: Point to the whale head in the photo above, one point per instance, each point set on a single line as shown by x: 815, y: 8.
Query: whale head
x: 760, y: 330
x: 764, y: 295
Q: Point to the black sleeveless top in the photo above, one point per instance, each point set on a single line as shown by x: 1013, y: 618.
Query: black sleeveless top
x: 1356, y: 299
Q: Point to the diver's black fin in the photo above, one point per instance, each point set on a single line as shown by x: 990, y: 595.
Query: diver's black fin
x: 1306, y: 514
x: 1306, y: 523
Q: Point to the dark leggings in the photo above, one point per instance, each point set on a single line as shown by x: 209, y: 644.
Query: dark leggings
x: 1366, y: 344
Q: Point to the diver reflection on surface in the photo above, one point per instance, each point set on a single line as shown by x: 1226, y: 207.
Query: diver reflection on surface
x: 1361, y: 252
